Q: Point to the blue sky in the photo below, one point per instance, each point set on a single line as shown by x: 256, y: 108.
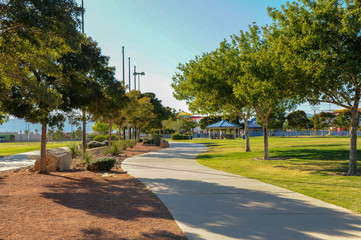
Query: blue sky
x: 160, y: 34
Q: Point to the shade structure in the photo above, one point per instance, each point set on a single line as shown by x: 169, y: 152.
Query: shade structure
x: 223, y: 125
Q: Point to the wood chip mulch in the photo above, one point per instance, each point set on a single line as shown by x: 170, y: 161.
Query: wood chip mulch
x: 83, y: 205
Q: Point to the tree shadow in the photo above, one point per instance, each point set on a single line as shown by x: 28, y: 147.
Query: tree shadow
x: 314, y: 158
x: 125, y: 199
x: 241, y: 213
x: 96, y: 233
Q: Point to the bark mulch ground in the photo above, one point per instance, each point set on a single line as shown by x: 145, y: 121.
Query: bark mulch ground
x: 83, y: 205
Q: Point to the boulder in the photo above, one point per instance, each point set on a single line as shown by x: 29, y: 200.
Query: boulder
x: 51, y: 163
x: 164, y: 144
x: 56, y: 159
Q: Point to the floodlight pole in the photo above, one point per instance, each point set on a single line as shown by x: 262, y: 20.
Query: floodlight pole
x: 129, y: 73
x: 123, y: 66
x: 135, y: 78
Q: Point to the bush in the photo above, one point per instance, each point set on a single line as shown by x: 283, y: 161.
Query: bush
x: 91, y: 136
x: 99, y: 138
x: 147, y: 141
x: 94, y: 144
x: 114, y: 137
x: 177, y: 136
x: 101, y: 164
x: 12, y: 138
x: 116, y: 148
x: 74, y: 150
x: 156, y: 139
x: 130, y: 143
x: 87, y: 157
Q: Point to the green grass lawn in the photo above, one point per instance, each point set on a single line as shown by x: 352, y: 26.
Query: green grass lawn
x: 309, y: 165
x: 21, y: 147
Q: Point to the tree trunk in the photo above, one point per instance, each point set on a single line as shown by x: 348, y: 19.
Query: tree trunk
x: 110, y: 133
x: 129, y: 132
x: 138, y: 134
x: 42, y: 163
x: 84, y: 130
x: 248, y: 146
x: 265, y: 141
x: 119, y: 132
x: 124, y: 133
x: 352, y: 168
x: 135, y: 133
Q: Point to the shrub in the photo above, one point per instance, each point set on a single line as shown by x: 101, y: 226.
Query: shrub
x: 74, y: 150
x: 12, y: 138
x: 147, y: 141
x: 176, y: 136
x: 130, y: 143
x: 187, y: 136
x: 87, y: 157
x: 116, y: 148
x: 156, y: 139
x: 94, y: 144
x: 99, y: 138
x: 101, y: 164
x: 91, y: 136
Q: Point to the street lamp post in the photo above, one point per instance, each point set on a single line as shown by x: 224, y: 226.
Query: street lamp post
x: 135, y: 74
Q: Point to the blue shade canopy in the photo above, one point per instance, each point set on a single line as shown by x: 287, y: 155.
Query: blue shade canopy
x: 223, y: 124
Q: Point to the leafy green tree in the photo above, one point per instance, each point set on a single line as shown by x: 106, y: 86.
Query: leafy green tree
x: 206, y: 121
x: 298, y: 120
x: 324, y: 120
x: 91, y: 81
x: 3, y: 118
x: 207, y: 84
x: 263, y: 85
x: 276, y: 119
x: 343, y: 119
x: 160, y: 112
x: 187, y: 124
x: 78, y: 134
x: 33, y: 37
x: 320, y: 41
x: 101, y: 128
x: 59, y: 134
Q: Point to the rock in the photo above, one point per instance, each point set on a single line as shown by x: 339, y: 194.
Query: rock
x: 164, y: 144
x: 50, y: 161
x: 65, y: 159
x: 56, y: 159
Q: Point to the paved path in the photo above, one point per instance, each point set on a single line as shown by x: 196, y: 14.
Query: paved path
x: 18, y: 160
x: 214, y: 205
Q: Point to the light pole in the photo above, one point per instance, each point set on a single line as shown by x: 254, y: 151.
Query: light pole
x: 135, y: 74
x: 129, y: 73
x: 123, y: 67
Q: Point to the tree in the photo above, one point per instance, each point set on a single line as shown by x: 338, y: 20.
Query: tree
x: 206, y: 121
x: 100, y: 127
x: 321, y: 42
x: 3, y: 118
x: 276, y: 119
x: 324, y: 120
x: 263, y: 85
x: 91, y: 80
x: 78, y: 134
x: 343, y: 119
x: 160, y: 112
x: 33, y: 37
x: 207, y: 84
x: 298, y: 120
x: 59, y: 134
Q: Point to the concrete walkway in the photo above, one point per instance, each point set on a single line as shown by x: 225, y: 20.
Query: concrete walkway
x: 214, y: 205
x: 18, y: 160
